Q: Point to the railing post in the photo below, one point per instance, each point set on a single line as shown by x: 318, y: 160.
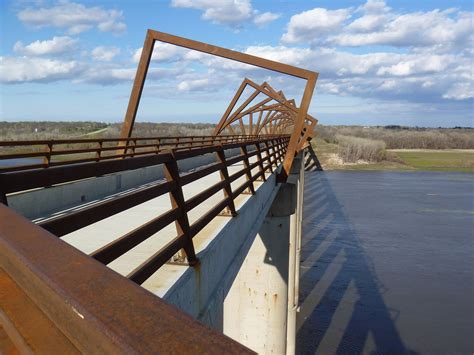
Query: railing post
x: 248, y: 172
x: 279, y: 150
x: 269, y: 156
x: 228, y: 194
x: 157, y: 145
x: 171, y: 171
x: 47, y: 157
x: 276, y: 149
x: 260, y: 163
x: 98, y: 153
x: 274, y: 153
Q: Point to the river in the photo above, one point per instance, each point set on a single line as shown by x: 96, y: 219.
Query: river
x: 387, y: 263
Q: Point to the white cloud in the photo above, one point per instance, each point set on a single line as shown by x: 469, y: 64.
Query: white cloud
x: 294, y: 56
x: 112, y: 26
x: 460, y: 91
x: 368, y: 23
x: 74, y: 17
x: 421, y: 76
x: 374, y: 6
x: 265, y: 18
x: 105, y: 54
x: 190, y: 85
x: 162, y: 52
x: 230, y: 12
x: 312, y: 25
x: 415, y: 65
x: 373, y: 18
x: 380, y: 25
x: 434, y: 64
x: 109, y: 74
x: 54, y: 46
x: 411, y: 29
x: 23, y: 69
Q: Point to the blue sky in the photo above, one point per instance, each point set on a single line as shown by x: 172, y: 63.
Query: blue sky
x: 380, y: 62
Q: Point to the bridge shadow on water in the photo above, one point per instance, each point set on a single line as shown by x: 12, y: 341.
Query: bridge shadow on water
x: 342, y: 308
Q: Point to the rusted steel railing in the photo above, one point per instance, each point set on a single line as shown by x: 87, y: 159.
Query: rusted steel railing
x: 66, y: 151
x: 56, y: 300
x: 268, y: 153
x: 79, y: 302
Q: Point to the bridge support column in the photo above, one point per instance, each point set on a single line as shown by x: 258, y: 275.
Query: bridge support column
x: 297, y: 178
x: 260, y: 307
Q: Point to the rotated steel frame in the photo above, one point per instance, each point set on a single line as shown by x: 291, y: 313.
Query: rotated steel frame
x: 283, y: 104
x: 144, y: 63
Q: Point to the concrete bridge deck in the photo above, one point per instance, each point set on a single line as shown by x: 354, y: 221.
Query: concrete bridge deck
x: 96, y: 235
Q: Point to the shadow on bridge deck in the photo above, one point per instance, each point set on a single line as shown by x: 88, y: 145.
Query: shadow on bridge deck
x: 338, y: 285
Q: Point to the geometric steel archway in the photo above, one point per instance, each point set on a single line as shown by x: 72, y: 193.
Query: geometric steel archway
x: 275, y: 114
x: 298, y: 118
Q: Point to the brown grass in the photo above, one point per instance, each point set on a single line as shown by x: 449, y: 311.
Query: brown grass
x: 353, y: 149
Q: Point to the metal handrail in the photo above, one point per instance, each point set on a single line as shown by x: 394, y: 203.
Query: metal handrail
x: 86, y: 306
x: 96, y: 309
x: 268, y: 153
x: 71, y: 151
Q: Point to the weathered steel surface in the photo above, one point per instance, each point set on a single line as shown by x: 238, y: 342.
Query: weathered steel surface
x: 96, y: 309
x: 296, y: 117
x: 93, y: 150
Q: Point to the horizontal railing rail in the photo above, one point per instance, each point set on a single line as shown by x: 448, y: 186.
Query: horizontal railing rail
x: 57, y: 299
x: 33, y: 154
x: 256, y: 157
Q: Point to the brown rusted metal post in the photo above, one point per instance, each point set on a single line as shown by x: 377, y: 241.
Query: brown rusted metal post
x: 248, y: 172
x: 177, y: 201
x: 228, y: 194
x: 267, y: 146
x: 299, y: 124
x: 137, y: 88
x: 47, y: 157
x: 260, y: 162
x: 99, y: 151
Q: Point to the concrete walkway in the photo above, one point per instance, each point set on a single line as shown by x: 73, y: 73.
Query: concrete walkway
x: 94, y: 236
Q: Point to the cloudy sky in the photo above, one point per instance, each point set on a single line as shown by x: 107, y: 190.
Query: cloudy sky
x: 380, y: 62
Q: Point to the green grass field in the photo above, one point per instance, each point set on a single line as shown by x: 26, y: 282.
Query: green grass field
x: 443, y: 160
x: 402, y: 160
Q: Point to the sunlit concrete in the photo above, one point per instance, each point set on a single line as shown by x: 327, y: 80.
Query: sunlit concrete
x: 260, y: 308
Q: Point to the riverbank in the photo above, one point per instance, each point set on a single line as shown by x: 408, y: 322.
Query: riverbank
x: 455, y: 160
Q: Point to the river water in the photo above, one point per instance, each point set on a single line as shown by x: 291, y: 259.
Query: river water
x: 387, y: 264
